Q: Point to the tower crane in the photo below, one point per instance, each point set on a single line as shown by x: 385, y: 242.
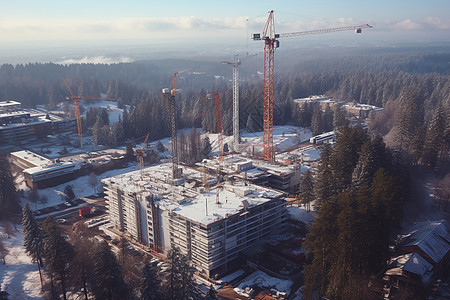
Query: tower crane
x: 218, y: 122
x: 236, y: 62
x: 140, y: 153
x: 170, y: 94
x: 270, y: 44
x: 76, y: 99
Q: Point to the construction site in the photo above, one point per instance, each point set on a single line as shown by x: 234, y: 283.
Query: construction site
x: 217, y: 211
x: 210, y: 221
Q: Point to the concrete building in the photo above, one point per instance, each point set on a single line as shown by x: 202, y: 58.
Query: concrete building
x: 285, y: 178
x: 41, y: 172
x: 360, y: 110
x: 322, y: 100
x: 212, y: 224
x: 18, y: 124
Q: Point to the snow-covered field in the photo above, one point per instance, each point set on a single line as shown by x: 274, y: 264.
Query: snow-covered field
x: 19, y: 276
x: 113, y: 111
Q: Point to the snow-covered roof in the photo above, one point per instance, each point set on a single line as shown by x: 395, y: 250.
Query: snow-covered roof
x: 432, y: 237
x: 193, y: 200
x: 31, y: 157
x: 50, y: 168
x: 413, y: 263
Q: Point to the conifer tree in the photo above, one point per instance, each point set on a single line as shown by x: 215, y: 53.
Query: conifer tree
x: 434, y: 141
x: 150, y: 283
x: 33, y: 237
x: 108, y: 281
x: 306, y: 189
x: 206, y: 147
x: 323, y: 186
x: 212, y: 293
x: 178, y: 276
x: 58, y: 253
x: 9, y: 202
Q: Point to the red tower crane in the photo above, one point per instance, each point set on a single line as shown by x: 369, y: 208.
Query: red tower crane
x: 218, y: 122
x: 270, y: 44
x: 76, y: 99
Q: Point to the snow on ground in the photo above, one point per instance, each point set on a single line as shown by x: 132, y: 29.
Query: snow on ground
x: 19, y: 277
x: 262, y: 280
x: 80, y: 187
x: 113, y: 111
x: 300, y: 213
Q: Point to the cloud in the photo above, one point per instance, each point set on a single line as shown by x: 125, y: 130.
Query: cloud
x: 95, y: 60
x: 437, y: 23
x: 185, y: 26
x: 407, y: 24
x: 429, y: 24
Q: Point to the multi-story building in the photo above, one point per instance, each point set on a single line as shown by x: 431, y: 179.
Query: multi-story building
x: 281, y: 177
x: 18, y: 124
x: 211, y: 224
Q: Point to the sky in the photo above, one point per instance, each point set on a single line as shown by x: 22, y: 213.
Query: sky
x: 62, y: 22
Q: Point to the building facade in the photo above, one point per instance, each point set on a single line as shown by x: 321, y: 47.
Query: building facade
x: 212, y: 225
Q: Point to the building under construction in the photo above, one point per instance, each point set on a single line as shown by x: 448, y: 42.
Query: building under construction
x: 18, y: 124
x: 210, y: 222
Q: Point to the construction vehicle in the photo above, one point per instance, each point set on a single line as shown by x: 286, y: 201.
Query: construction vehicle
x: 170, y: 95
x: 271, y: 42
x: 76, y: 99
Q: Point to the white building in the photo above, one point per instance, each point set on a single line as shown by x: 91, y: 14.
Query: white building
x: 212, y: 225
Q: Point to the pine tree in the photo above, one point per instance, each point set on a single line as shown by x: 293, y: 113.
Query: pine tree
x: 212, y: 293
x: 323, y: 186
x: 434, y: 142
x: 178, y: 276
x: 187, y: 281
x: 150, y: 283
x: 172, y: 273
x: 58, y: 252
x: 81, y: 264
x: 9, y: 202
x: 108, y: 281
x: 317, y: 121
x: 306, y: 190
x: 33, y: 237
x: 410, y: 116
x: 206, y: 147
x: 338, y: 116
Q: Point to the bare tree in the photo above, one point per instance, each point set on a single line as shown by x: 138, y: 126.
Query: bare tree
x: 93, y: 181
x: 3, y: 252
x: 9, y: 230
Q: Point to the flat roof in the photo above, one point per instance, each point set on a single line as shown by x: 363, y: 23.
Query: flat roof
x: 193, y: 200
x: 31, y: 157
x: 48, y: 168
x: 9, y: 103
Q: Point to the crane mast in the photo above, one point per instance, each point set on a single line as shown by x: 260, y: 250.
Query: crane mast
x: 218, y: 122
x: 236, y: 62
x: 76, y: 100
x: 270, y: 44
x: 171, y: 93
